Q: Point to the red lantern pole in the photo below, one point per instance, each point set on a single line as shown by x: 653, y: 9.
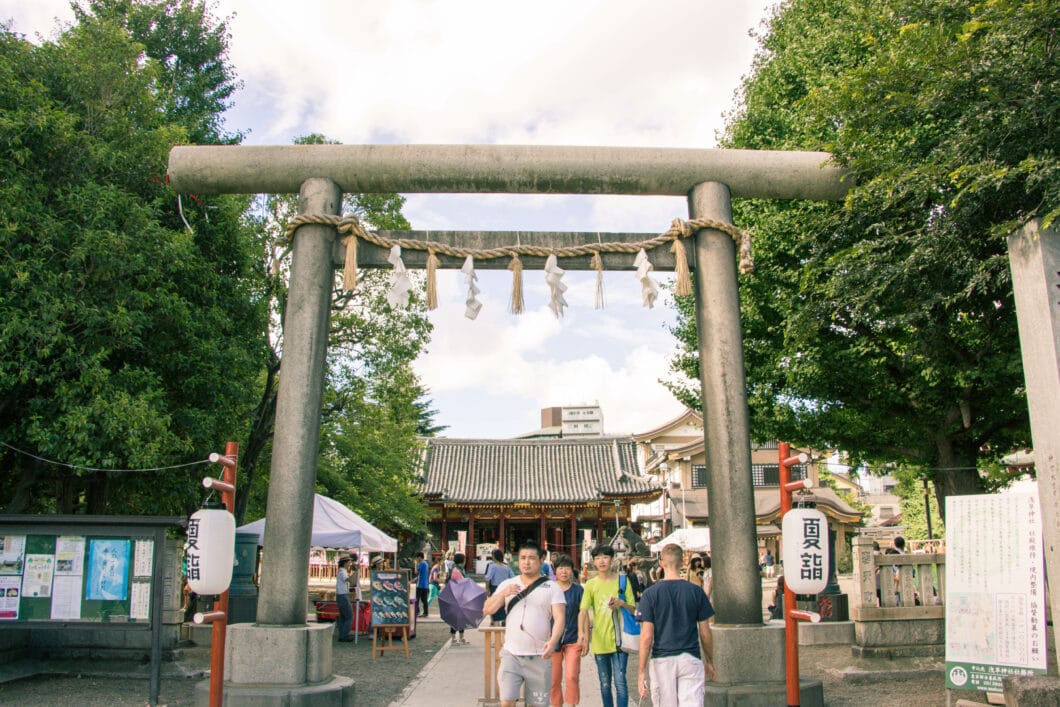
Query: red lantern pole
x: 219, y: 616
x: 791, y: 614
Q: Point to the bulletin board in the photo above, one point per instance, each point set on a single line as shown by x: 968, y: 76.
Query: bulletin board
x: 91, y: 572
x: 75, y: 578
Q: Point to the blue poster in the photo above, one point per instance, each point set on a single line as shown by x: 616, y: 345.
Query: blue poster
x: 108, y: 570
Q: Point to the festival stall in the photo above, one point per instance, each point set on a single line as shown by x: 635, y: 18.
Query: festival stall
x: 337, y: 530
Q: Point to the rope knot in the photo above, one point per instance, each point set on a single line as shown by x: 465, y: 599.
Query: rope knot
x: 681, y: 227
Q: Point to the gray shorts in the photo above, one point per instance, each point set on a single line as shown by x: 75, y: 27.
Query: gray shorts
x: 533, y: 670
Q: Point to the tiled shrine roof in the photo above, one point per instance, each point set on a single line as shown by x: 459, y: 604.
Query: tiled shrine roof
x: 582, y: 470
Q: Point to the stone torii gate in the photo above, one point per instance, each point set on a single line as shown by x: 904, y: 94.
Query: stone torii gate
x: 293, y: 658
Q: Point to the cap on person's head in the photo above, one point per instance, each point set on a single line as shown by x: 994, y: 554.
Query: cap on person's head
x: 377, y: 560
x: 603, y: 550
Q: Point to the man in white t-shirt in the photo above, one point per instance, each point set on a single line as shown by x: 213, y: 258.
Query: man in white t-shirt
x: 536, y: 616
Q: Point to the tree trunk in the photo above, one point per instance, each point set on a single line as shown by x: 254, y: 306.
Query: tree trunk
x: 98, y: 485
x: 957, y: 474
x: 257, y: 439
x: 19, y: 502
x: 67, y: 494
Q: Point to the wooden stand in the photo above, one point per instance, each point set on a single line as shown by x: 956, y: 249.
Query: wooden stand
x: 378, y: 633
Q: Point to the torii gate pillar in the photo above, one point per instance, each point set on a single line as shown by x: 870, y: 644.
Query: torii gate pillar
x: 744, y: 647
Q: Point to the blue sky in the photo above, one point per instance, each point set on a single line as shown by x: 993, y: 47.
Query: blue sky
x: 550, y: 73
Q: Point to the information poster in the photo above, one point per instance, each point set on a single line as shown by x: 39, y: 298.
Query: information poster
x: 144, y: 554
x: 140, y: 602
x: 108, y: 569
x: 12, y: 553
x: 69, y: 555
x: 10, y: 590
x: 390, y: 598
x: 66, y: 597
x: 37, y: 581
x: 995, y: 590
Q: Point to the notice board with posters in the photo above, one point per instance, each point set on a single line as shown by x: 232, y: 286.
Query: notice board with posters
x: 87, y: 570
x: 995, y: 590
x: 390, y: 598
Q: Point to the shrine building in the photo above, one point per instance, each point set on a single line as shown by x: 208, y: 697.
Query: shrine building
x: 553, y: 490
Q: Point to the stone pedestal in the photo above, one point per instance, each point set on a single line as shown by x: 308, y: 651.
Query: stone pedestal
x: 749, y: 669
x: 254, y: 675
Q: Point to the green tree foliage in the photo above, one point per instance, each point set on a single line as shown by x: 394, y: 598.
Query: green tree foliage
x: 910, y: 490
x: 195, y: 79
x: 126, y: 341
x: 885, y: 325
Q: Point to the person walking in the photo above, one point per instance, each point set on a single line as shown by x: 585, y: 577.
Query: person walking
x: 675, y: 635
x: 599, y: 602
x: 496, y: 574
x: 456, y: 573
x: 342, y: 598
x: 536, y: 618
x: 423, y: 583
x: 566, y: 661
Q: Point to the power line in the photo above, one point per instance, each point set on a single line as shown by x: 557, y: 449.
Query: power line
x: 93, y: 468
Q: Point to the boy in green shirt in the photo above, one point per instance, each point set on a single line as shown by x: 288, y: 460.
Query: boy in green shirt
x: 600, y: 600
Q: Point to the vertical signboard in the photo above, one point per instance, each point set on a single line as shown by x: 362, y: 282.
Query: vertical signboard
x: 995, y: 590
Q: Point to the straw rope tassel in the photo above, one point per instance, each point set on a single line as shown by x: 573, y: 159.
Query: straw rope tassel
x: 516, y: 266
x: 432, y: 280
x: 597, y: 264
x: 349, y: 270
x: 747, y: 263
x: 684, y: 278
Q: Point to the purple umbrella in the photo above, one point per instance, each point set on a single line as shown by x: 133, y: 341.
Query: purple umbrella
x: 460, y: 603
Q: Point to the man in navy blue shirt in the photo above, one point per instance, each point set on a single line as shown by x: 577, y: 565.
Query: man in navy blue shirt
x: 675, y: 634
x: 423, y: 583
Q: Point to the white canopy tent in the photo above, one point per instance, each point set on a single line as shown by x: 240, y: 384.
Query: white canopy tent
x: 335, y: 525
x: 690, y: 540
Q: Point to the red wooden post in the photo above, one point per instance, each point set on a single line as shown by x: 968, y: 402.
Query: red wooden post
x: 791, y: 614
x: 220, y: 614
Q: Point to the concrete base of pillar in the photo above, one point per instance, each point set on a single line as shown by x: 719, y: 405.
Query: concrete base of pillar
x: 337, y: 692
x: 280, y: 665
x: 749, y: 669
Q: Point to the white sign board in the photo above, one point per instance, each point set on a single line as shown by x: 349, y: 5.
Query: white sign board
x: 995, y: 590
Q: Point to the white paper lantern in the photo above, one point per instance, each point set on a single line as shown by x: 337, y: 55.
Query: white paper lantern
x: 210, y: 550
x: 805, y: 550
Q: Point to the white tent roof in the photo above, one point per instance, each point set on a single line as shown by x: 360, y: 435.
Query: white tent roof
x: 335, y: 525
x: 690, y: 539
